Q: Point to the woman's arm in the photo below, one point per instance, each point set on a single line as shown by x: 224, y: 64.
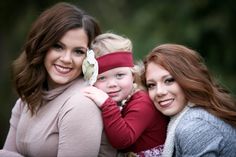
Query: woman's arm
x: 10, y: 143
x: 9, y: 148
x: 6, y: 153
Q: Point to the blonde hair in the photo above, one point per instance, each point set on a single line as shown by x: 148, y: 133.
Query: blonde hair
x: 109, y: 43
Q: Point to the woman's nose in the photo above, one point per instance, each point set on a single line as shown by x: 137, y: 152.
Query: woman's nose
x: 66, y: 57
x: 161, y: 90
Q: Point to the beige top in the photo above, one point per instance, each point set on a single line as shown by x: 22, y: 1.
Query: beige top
x: 68, y: 125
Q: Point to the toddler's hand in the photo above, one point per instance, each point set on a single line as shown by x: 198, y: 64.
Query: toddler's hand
x: 97, y: 95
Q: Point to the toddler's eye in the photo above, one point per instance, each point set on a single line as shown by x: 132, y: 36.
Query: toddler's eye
x: 102, y: 78
x: 119, y: 76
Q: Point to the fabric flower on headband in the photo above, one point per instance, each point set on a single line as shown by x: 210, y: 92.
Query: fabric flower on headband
x: 90, y: 67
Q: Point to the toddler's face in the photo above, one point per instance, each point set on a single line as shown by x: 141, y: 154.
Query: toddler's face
x: 117, y: 83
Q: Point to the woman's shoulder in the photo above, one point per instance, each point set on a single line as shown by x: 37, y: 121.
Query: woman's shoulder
x: 77, y: 107
x: 198, y: 120
x: 72, y: 100
x: 74, y: 92
x: 19, y: 106
x: 76, y: 86
x: 200, y: 114
x: 79, y: 100
x: 200, y: 130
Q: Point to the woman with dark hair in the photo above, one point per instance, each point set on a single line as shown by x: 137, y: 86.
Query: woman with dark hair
x: 203, y: 114
x: 52, y: 117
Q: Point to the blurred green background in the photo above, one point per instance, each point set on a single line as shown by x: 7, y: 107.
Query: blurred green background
x: 208, y: 26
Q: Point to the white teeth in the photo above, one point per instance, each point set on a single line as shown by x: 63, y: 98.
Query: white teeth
x: 62, y: 69
x: 165, y: 102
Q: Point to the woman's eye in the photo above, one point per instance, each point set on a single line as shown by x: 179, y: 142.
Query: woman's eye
x: 169, y: 80
x: 150, y: 86
x: 79, y: 52
x: 57, y: 47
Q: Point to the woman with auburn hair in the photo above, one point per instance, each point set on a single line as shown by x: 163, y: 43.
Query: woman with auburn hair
x: 52, y: 117
x: 203, y: 113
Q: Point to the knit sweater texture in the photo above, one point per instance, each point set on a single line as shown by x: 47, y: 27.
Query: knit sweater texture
x: 200, y: 134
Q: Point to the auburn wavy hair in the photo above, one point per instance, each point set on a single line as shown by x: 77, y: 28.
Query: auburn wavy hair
x: 190, y: 72
x: 29, y: 73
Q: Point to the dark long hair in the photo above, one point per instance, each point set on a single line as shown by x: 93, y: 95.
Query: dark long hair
x: 189, y: 70
x: 29, y: 74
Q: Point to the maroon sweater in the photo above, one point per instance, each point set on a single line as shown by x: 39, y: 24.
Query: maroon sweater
x: 139, y: 126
